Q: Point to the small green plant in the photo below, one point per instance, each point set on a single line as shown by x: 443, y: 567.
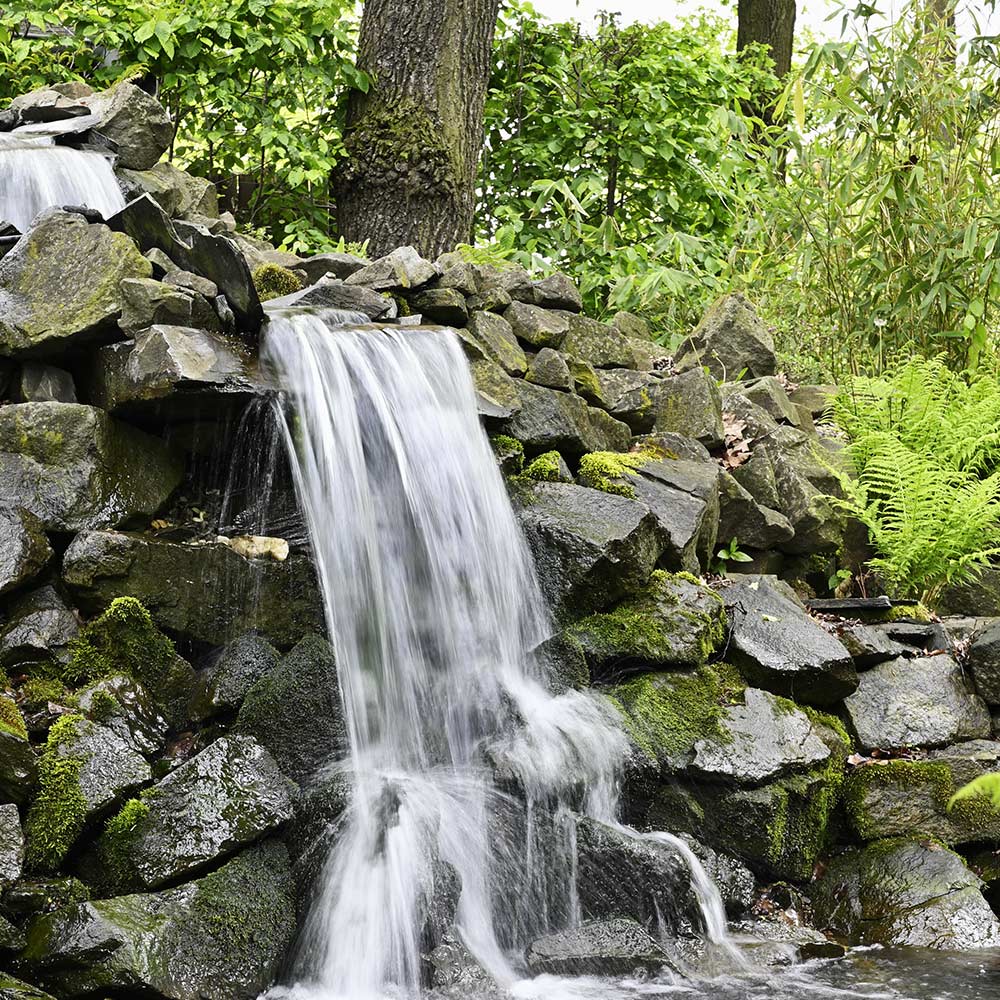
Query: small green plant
x: 730, y: 553
x: 272, y: 281
x: 985, y: 786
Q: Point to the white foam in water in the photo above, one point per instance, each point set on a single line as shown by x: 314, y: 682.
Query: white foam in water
x: 433, y: 603
x: 35, y: 174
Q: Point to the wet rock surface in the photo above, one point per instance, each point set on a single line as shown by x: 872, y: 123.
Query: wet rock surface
x: 597, y: 948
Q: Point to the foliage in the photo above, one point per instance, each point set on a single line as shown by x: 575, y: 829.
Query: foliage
x: 254, y: 88
x: 925, y: 442
x: 731, y: 553
x: 986, y: 786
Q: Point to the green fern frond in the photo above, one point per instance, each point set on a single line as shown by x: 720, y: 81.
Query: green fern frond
x: 986, y: 786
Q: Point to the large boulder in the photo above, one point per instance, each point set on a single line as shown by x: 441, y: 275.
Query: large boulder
x: 74, y: 467
x: 742, y: 517
x: 60, y: 285
x: 624, y: 393
x: 224, y: 936
x: 401, y: 270
x: 38, y: 626
x: 24, y: 549
x: 223, y: 685
x: 689, y: 404
x: 536, y: 326
x: 133, y: 123
x: 294, y: 710
x: 123, y: 705
x: 229, y: 795
x: 596, y: 344
x: 922, y: 702
x: 618, y: 947
x: 731, y: 341
x: 590, y: 547
x: 148, y: 302
x: 905, y: 893
x: 910, y: 797
x: 777, y: 646
x: 233, y: 595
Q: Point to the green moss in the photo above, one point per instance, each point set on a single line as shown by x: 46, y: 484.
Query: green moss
x: 509, y: 452
x: 272, y: 281
x: 57, y: 816
x: 123, y: 640
x: 37, y: 692
x: 104, y: 706
x: 906, y: 612
x: 11, y: 720
x: 116, y: 846
x: 545, y: 468
x: 609, y: 470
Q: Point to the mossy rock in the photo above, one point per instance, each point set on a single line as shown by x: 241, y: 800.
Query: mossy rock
x: 16, y: 989
x: 272, y: 281
x: 17, y: 759
x: 509, y: 452
x: 549, y: 467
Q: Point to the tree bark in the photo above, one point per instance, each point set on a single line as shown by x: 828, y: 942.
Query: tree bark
x: 414, y: 140
x: 770, y: 23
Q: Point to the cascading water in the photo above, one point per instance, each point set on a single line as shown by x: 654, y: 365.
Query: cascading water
x: 36, y: 174
x: 433, y: 603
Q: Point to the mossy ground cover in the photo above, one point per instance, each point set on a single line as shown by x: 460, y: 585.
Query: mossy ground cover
x: 609, y: 470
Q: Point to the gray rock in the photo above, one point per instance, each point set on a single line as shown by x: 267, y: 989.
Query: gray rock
x: 922, y: 702
x: 333, y: 293
x: 558, y: 291
x: 632, y: 326
x: 59, y: 286
x: 340, y: 265
x: 24, y: 549
x: 741, y: 517
x: 235, y: 594
x: 173, y: 372
x: 736, y: 883
x: 497, y: 396
x: 759, y: 740
x: 177, y: 192
x: 75, y: 467
x: 868, y: 646
x: 548, y: 368
x: 456, y: 975
x: 18, y: 769
x: 224, y: 936
x: 38, y: 383
x: 905, y: 893
x: 983, y: 659
x: 780, y: 648
x: 490, y: 337
x: 769, y: 394
x: 596, y: 343
x: 123, y: 705
x: 441, y: 305
x: 459, y: 274
x: 35, y: 896
x: 597, y: 948
x: 16, y: 989
x: 816, y: 399
x: 590, y: 547
x: 148, y: 302
x: 39, y: 626
x: 536, y: 326
x: 295, y: 710
x: 226, y: 797
x: 133, y: 123
x: 510, y: 279
x: 399, y: 271
x: 11, y: 846
x: 730, y: 341
x: 192, y: 282
x: 49, y: 104
x: 625, y: 394
x: 689, y: 404
x: 223, y: 685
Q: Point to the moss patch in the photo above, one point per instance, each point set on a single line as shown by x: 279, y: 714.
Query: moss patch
x: 272, y: 281
x: 509, y: 452
x: 37, y: 692
x: 116, y: 845
x: 11, y: 720
x: 608, y: 471
x: 545, y: 468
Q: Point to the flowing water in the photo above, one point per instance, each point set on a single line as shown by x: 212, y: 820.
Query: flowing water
x: 36, y: 174
x: 467, y: 771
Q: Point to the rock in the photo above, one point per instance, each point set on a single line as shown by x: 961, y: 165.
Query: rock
x: 689, y: 404
x: 133, y: 123
x: 980, y: 596
x: 761, y: 739
x: 816, y: 399
x: 173, y: 373
x: 779, y: 647
x: 636, y: 877
x: 38, y: 383
x: 17, y: 759
x: 74, y: 467
x: 84, y: 770
x: 295, y: 711
x: 590, y: 547
x: 59, y: 286
x: 15, y: 989
x: 549, y: 368
x: 48, y: 104
x: 11, y: 846
x: 868, y: 646
x: 497, y: 396
x: 557, y: 291
x: 908, y: 894
x: 32, y: 897
x: 148, y: 302
x: 224, y: 936
x: 597, y: 344
x: 769, y: 394
x: 549, y: 420
x: 983, y: 658
x: 24, y: 549
x: 675, y: 621
x: 491, y: 337
x: 456, y: 975
x: 741, y: 517
x: 120, y: 703
x: 239, y: 665
x: 597, y: 948
x: 632, y: 326
x: 536, y: 326
x: 624, y: 393
x: 922, y: 702
x: 441, y: 305
x: 333, y: 293
x: 910, y: 797
x: 735, y: 882
x: 229, y: 795
x: 234, y: 595
x: 730, y: 341
x: 192, y: 282
x: 561, y: 663
x: 399, y: 271
x: 340, y: 265
x: 176, y: 191
x: 509, y: 279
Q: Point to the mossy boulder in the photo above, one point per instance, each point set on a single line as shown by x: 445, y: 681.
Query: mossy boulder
x: 901, y: 892
x: 120, y: 703
x: 272, y: 281
x: 441, y: 305
x: 39, y: 626
x: 74, y: 467
x: 509, y: 452
x: 497, y: 397
x: 490, y: 337
x: 549, y: 467
x: 60, y: 285
x: 548, y: 367
x: 134, y: 123
x: 240, y: 664
x: 910, y: 797
x: 295, y: 710
x: 558, y: 291
x: 624, y: 393
x: 596, y: 343
x: 147, y: 302
x: 536, y: 326
x: 731, y: 341
x: 17, y: 989
x: 984, y: 663
x: 17, y: 759
x: 24, y: 549
x: 224, y: 936
x: 689, y: 404
x: 177, y: 192
x: 674, y: 621
x: 229, y: 795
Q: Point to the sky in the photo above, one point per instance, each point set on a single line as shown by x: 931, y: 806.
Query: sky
x: 811, y: 13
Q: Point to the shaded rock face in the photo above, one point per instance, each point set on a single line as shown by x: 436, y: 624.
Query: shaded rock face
x: 904, y: 892
x: 224, y: 936
x: 731, y: 341
x: 689, y: 404
x: 60, y: 285
x: 984, y: 664
x: 239, y: 665
x: 617, y: 947
x: 11, y: 846
x: 18, y: 768
x: 24, y: 549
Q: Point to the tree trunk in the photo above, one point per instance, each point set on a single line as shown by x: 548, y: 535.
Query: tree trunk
x: 770, y: 23
x: 414, y: 140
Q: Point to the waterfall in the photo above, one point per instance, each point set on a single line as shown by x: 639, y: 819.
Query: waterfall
x: 36, y: 174
x: 433, y: 605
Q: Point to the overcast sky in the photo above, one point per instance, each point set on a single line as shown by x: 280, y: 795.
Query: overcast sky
x: 813, y: 13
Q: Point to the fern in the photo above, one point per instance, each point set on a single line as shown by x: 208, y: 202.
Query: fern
x: 986, y: 786
x: 926, y: 446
